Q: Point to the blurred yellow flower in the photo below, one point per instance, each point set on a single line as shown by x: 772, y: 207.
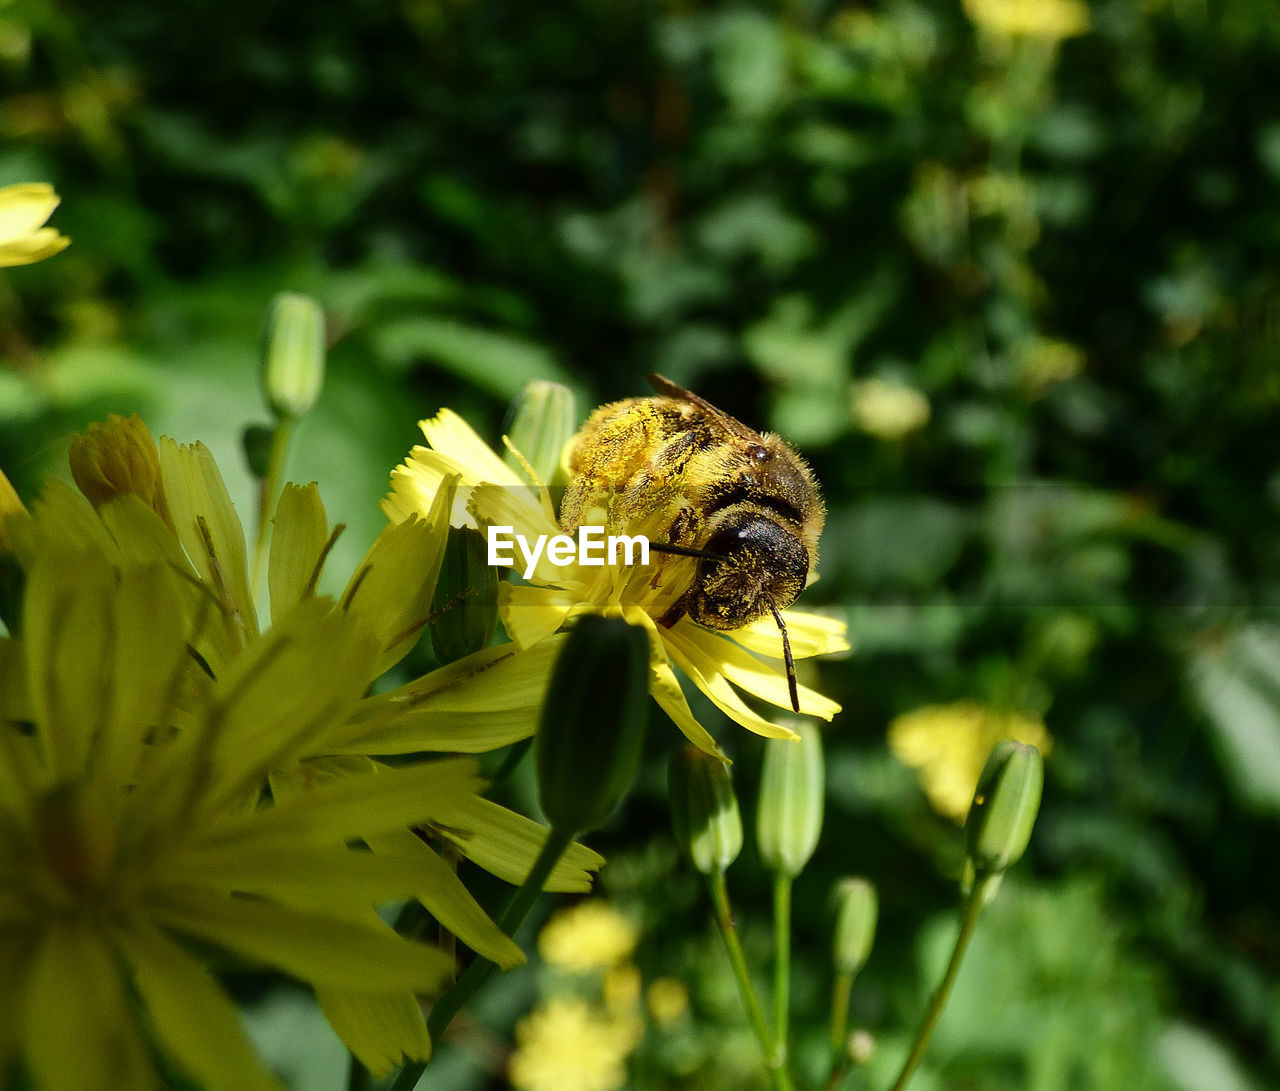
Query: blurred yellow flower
x: 1052, y: 19
x: 565, y: 1044
x: 24, y: 209
x: 591, y: 935
x: 948, y: 745
x: 667, y: 1000
x: 888, y: 410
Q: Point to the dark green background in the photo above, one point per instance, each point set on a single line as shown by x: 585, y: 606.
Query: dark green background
x: 766, y: 203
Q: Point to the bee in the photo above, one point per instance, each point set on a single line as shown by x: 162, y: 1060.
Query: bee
x: 744, y: 505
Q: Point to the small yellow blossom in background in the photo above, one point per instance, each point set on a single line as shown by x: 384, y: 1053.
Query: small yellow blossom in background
x: 591, y: 935
x: 23, y: 211
x: 888, y: 410
x: 1051, y: 19
x: 948, y: 745
x: 667, y: 1000
x: 566, y: 1044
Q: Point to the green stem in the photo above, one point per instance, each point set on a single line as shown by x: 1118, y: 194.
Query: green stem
x: 939, y: 999
x: 781, y: 964
x: 478, y: 972
x: 268, y: 490
x: 840, y: 1014
x: 738, y: 961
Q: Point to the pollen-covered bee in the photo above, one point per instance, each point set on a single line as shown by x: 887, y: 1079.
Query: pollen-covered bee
x: 745, y: 505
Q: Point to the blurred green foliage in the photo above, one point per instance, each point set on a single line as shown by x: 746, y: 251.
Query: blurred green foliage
x: 1015, y: 298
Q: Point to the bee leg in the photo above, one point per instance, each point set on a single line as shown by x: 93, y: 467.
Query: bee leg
x: 674, y: 614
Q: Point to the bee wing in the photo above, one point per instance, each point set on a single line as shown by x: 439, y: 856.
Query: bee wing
x: 729, y: 424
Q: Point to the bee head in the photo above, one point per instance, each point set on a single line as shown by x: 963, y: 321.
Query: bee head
x: 756, y: 563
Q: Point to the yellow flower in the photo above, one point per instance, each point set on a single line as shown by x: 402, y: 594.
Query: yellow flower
x: 591, y: 935
x: 1051, y: 19
x: 888, y: 410
x: 492, y: 494
x: 565, y: 1044
x: 948, y: 745
x: 386, y: 604
x: 124, y: 830
x: 667, y: 1000
x: 23, y: 237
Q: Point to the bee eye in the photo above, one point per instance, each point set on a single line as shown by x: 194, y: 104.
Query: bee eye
x: 760, y: 454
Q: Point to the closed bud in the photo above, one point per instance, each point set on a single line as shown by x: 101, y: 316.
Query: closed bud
x: 856, y: 910
x: 293, y: 346
x: 592, y: 726
x: 115, y: 458
x: 791, y: 798
x: 704, y: 810
x: 1004, y: 807
x: 464, y: 609
x: 543, y: 420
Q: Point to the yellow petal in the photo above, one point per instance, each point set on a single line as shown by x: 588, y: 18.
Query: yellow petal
x: 80, y: 1033
x: 299, y: 535
x: 390, y: 592
x: 481, y: 702
x: 418, y: 482
x: 24, y: 208
x: 148, y: 650
x: 448, y: 900
x: 279, y: 699
x: 11, y: 507
x: 312, y: 948
x: 34, y: 247
x: 705, y: 673
x: 209, y: 528
x: 381, y: 1029
x: 748, y: 673
x: 506, y: 844
x: 530, y: 614
x: 450, y: 435
x: 193, y: 1019
x: 331, y: 879
x: 527, y: 511
x: 664, y: 687
x: 67, y: 637
x: 63, y: 516
x: 356, y: 807
x: 809, y: 635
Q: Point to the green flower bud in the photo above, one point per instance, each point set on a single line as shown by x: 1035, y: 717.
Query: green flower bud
x: 543, y: 420
x: 1004, y: 806
x: 789, y: 819
x: 592, y: 726
x: 704, y: 810
x: 293, y: 346
x: 856, y: 910
x: 464, y: 608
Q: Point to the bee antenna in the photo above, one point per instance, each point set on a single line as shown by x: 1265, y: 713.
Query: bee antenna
x: 686, y: 551
x: 786, y: 656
